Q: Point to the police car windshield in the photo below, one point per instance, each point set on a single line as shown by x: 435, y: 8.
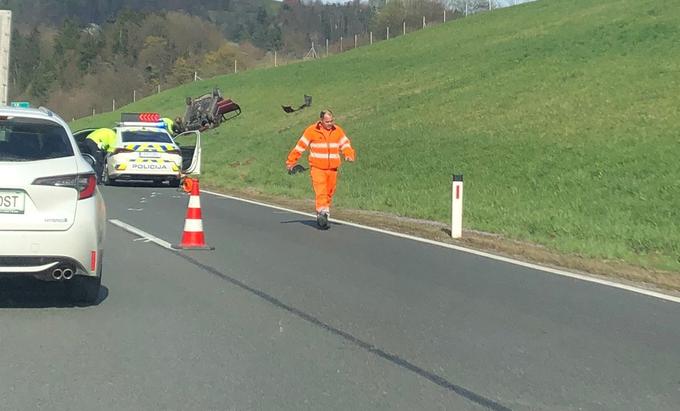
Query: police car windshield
x: 145, y: 136
x: 24, y: 139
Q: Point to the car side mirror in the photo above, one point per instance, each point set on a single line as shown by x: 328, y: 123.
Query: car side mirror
x: 90, y: 160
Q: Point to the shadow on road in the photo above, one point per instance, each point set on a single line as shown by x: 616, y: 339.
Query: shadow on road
x: 309, y: 223
x: 141, y: 184
x: 32, y: 293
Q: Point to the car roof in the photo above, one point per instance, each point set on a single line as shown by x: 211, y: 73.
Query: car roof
x: 41, y: 113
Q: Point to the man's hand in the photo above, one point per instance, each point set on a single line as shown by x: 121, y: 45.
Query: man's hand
x: 297, y: 168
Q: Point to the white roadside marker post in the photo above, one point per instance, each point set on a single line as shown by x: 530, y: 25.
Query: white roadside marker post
x: 457, y: 207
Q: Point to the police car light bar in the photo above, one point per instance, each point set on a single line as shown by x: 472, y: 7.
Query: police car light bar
x: 160, y: 124
x: 140, y: 117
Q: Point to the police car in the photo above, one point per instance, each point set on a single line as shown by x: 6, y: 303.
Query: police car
x: 144, y: 150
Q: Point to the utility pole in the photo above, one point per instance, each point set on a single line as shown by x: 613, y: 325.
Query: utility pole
x: 5, y: 45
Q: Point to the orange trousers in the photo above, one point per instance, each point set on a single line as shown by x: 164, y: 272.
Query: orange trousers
x: 324, y: 182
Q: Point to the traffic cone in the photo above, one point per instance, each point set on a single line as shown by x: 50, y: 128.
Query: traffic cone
x: 193, y: 237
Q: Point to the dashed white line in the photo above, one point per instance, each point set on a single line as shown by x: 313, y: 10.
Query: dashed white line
x: 141, y: 233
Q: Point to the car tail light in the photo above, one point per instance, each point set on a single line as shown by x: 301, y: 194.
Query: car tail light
x: 85, y: 184
x: 93, y: 260
x: 122, y: 150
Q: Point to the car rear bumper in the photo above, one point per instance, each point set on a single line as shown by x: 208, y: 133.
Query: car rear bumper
x: 37, y: 253
x: 127, y: 166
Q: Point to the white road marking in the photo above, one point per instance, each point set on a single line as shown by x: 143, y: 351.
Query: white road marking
x: 563, y: 273
x: 143, y: 234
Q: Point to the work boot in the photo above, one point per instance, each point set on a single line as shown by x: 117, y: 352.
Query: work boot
x: 322, y: 220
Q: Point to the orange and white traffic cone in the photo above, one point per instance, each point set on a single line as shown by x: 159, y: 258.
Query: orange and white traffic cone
x: 193, y: 237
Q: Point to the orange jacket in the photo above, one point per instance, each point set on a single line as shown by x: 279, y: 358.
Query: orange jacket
x: 324, y: 145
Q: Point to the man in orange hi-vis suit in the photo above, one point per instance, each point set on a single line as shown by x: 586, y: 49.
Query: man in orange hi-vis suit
x: 326, y: 141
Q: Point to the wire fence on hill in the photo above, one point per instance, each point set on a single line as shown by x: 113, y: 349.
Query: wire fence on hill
x: 316, y: 51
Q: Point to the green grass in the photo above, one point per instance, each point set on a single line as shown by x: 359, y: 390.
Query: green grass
x: 563, y: 116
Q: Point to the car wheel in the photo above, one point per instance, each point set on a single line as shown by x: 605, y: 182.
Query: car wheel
x: 84, y: 289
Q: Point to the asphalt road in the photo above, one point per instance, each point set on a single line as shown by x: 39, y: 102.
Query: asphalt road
x: 282, y: 316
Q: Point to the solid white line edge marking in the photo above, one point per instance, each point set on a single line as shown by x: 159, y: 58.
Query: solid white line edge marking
x: 467, y: 250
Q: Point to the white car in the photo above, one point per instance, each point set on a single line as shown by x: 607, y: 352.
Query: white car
x: 52, y: 216
x: 143, y: 151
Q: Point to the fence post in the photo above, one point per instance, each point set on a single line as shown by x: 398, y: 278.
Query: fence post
x: 457, y: 207
x: 355, y: 41
x: 404, y: 27
x: 388, y: 33
x: 93, y: 112
x: 340, y: 44
x: 114, y: 105
x: 370, y: 37
x: 275, y: 64
x: 134, y: 95
x: 159, y: 88
x: 444, y: 15
x: 423, y: 21
x: 235, y: 66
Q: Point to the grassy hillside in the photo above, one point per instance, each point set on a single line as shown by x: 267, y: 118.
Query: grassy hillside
x: 563, y: 116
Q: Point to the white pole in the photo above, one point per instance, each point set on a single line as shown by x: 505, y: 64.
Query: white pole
x: 466, y: 9
x: 275, y: 64
x: 235, y: 67
x: 114, y: 105
x: 340, y: 44
x: 370, y: 36
x: 444, y: 15
x: 355, y: 41
x: 326, y: 47
x: 93, y: 111
x: 404, y: 27
x: 159, y: 88
x: 423, y: 21
x: 134, y: 95
x: 457, y: 207
x: 5, y: 46
x: 388, y: 32
x: 195, y: 75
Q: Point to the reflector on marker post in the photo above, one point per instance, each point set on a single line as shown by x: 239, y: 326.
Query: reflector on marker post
x: 457, y: 207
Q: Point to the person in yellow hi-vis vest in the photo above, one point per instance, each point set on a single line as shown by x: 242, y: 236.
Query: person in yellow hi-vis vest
x: 326, y: 141
x: 97, y: 144
x: 169, y: 125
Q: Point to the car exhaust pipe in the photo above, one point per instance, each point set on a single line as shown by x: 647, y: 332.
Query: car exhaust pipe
x: 67, y: 274
x: 57, y: 274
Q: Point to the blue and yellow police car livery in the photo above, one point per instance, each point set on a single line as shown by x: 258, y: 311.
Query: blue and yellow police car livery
x: 144, y: 150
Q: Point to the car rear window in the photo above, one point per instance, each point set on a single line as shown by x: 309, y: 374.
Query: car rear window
x: 26, y: 139
x: 145, y: 136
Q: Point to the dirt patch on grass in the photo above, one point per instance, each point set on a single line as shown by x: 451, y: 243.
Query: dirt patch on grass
x: 656, y: 280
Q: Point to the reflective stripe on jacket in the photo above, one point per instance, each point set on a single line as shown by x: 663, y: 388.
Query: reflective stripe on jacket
x: 325, y: 147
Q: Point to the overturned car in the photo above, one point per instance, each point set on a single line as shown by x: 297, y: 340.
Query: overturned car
x: 208, y: 111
